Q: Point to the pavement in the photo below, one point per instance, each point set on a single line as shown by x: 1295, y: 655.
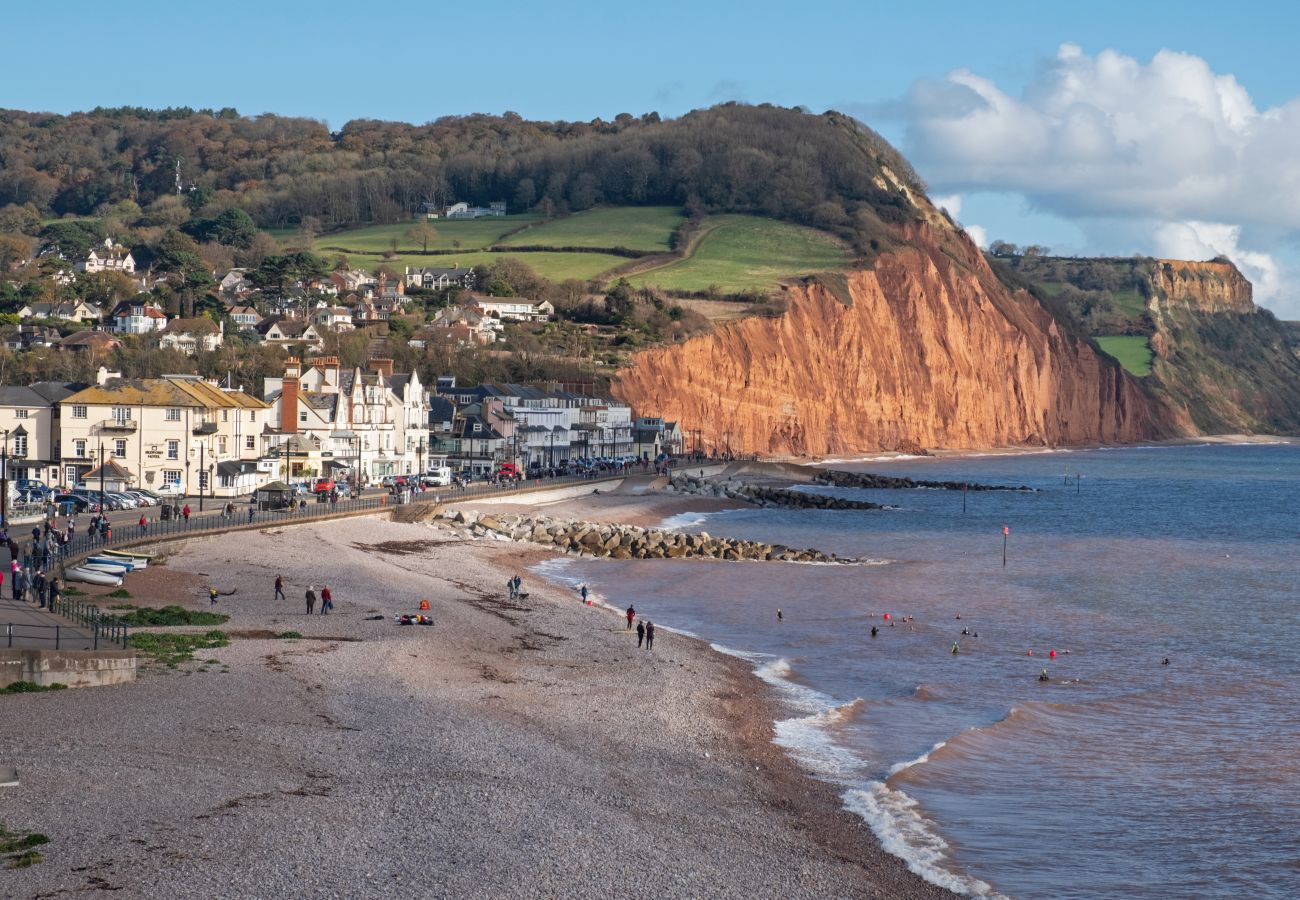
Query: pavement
x: 24, y: 626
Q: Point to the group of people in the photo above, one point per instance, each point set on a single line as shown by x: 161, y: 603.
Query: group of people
x: 645, y: 629
x: 326, y: 596
x: 514, y: 587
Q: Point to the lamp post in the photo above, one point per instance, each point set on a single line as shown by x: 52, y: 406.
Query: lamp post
x: 4, y: 483
x: 203, y: 472
x: 102, y: 495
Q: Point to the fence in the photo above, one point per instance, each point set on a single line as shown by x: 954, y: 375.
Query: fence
x: 65, y: 637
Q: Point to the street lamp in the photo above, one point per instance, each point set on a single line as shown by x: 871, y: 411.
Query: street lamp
x: 4, y: 483
x: 203, y: 472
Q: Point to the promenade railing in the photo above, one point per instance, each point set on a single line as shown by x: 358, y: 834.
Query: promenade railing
x: 102, y: 635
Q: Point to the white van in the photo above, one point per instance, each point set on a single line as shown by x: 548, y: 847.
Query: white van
x: 438, y: 476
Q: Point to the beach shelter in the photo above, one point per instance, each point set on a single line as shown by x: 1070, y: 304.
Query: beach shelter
x: 112, y: 475
x: 276, y: 495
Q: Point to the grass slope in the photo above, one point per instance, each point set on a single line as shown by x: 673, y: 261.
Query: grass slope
x: 471, y: 233
x: 744, y: 253
x: 1132, y: 351
x: 648, y: 228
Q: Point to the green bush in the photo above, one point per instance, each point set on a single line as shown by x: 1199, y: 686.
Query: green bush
x: 170, y: 615
x: 31, y: 687
x: 172, y: 649
x: 289, y: 636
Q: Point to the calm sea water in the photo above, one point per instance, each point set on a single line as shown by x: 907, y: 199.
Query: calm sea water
x: 1119, y: 777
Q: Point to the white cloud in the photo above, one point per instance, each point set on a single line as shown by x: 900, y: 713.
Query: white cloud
x: 979, y: 235
x: 950, y: 202
x: 1169, y: 143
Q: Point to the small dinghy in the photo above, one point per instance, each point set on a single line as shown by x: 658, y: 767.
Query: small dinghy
x: 119, y: 561
x: 140, y: 559
x: 90, y: 576
x: 107, y: 569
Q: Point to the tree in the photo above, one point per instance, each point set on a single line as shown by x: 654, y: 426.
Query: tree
x: 1003, y: 250
x: 422, y: 233
x: 14, y: 249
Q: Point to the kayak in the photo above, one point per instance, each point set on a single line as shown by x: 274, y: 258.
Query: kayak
x: 138, y: 562
x: 89, y: 576
x: 117, y: 571
x: 129, y: 555
x: 113, y: 561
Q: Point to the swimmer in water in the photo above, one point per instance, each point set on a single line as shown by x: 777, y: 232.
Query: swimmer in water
x: 874, y: 631
x: 779, y: 615
x: 1165, y: 661
x: 955, y: 648
x: 1042, y: 676
x: 965, y: 631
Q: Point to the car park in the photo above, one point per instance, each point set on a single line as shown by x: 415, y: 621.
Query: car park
x: 76, y: 501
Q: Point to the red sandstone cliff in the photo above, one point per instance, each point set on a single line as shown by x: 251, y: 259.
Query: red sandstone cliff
x: 931, y: 350
x: 1207, y: 287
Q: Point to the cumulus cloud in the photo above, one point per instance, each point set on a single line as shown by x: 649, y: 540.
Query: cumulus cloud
x: 1169, y: 142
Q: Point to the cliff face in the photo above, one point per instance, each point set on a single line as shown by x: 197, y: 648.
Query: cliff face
x: 1205, y: 287
x: 926, y: 349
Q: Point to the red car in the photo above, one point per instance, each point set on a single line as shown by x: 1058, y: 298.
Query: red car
x: 323, y: 484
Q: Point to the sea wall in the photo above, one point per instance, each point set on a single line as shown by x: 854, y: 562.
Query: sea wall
x: 74, y: 668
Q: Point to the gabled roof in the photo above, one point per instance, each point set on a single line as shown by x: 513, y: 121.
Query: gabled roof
x: 197, y: 325
x: 112, y: 470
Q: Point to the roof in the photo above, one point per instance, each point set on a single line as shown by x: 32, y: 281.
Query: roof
x: 90, y: 339
x: 170, y: 390
x: 197, y: 325
x: 19, y: 395
x: 111, y: 469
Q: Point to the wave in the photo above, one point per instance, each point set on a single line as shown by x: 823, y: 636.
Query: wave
x: 683, y: 520
x: 901, y: 829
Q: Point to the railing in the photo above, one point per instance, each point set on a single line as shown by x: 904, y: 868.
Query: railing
x: 65, y: 637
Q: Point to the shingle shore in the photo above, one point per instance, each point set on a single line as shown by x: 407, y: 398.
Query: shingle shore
x: 521, y: 749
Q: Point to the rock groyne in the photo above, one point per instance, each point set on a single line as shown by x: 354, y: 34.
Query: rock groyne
x: 887, y: 482
x: 617, y: 541
x: 760, y: 495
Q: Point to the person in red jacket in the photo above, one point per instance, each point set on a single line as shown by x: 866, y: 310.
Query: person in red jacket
x: 185, y: 512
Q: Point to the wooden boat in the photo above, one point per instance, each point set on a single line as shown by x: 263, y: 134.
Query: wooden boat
x: 117, y: 561
x: 90, y: 576
x: 129, y: 554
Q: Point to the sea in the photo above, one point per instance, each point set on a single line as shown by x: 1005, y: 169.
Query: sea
x: 1158, y: 587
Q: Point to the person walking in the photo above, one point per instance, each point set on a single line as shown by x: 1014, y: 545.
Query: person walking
x: 640, y: 633
x: 20, y: 585
x: 279, y: 587
x: 519, y: 587
x: 311, y: 599
x: 584, y: 593
x: 252, y: 510
x: 326, y: 600
x: 38, y: 581
x: 144, y: 524
x: 185, y: 512
x: 510, y: 587
x: 631, y: 614
x: 649, y: 635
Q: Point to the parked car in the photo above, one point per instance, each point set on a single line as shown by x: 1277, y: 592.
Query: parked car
x: 126, y: 500
x: 79, y: 503
x: 141, y: 498
x: 508, y: 470
x: 323, y: 484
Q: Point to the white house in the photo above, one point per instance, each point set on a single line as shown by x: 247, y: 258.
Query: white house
x: 436, y: 279
x: 332, y: 318
x: 514, y: 308
x: 72, y: 310
x: 192, y: 335
x: 288, y: 332
x: 245, y: 317
x: 130, y: 317
x: 108, y: 258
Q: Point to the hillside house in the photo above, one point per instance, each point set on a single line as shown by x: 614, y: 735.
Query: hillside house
x: 28, y: 337
x: 130, y: 317
x: 332, y: 318
x: 109, y: 257
x: 515, y: 309
x: 244, y: 317
x: 90, y: 342
x: 290, y: 332
x: 72, y: 310
x: 192, y: 335
x: 441, y: 279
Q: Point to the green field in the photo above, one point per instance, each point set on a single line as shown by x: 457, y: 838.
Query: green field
x: 1132, y: 351
x: 471, y: 233
x: 646, y: 228
x: 743, y: 253
x: 553, y: 266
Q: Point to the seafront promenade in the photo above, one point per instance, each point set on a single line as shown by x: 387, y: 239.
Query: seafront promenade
x: 23, y: 625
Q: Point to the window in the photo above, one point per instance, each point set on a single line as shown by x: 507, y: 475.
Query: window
x: 20, y: 413
x: 121, y: 414
x: 20, y: 445
x: 171, y: 476
x: 252, y: 415
x: 225, y: 415
x: 78, y: 412
x: 119, y: 448
x: 221, y: 445
x: 302, y: 417
x: 173, y: 414
x: 250, y: 442
x: 173, y: 449
x: 79, y: 448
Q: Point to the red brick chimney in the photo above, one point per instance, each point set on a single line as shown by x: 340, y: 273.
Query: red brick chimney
x: 289, y: 397
x: 381, y: 366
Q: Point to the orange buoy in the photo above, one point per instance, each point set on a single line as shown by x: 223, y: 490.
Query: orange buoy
x: 424, y: 604
x: 886, y: 616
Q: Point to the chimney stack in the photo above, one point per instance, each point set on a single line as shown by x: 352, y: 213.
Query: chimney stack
x: 381, y: 366
x: 289, y: 397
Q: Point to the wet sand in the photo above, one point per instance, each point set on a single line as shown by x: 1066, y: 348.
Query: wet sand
x: 516, y: 748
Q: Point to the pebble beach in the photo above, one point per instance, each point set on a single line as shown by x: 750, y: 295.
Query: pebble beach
x: 520, y: 748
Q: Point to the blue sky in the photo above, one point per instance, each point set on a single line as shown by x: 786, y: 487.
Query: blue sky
x: 415, y: 61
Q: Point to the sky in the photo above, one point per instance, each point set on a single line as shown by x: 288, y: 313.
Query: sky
x: 1152, y: 127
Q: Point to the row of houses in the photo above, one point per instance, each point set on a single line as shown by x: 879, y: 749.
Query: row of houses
x: 203, y: 438
x: 478, y: 427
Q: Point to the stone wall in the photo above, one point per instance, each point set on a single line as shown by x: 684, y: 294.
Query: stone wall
x: 75, y: 668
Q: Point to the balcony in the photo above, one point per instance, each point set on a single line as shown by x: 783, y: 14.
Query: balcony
x: 205, y: 428
x: 120, y: 426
